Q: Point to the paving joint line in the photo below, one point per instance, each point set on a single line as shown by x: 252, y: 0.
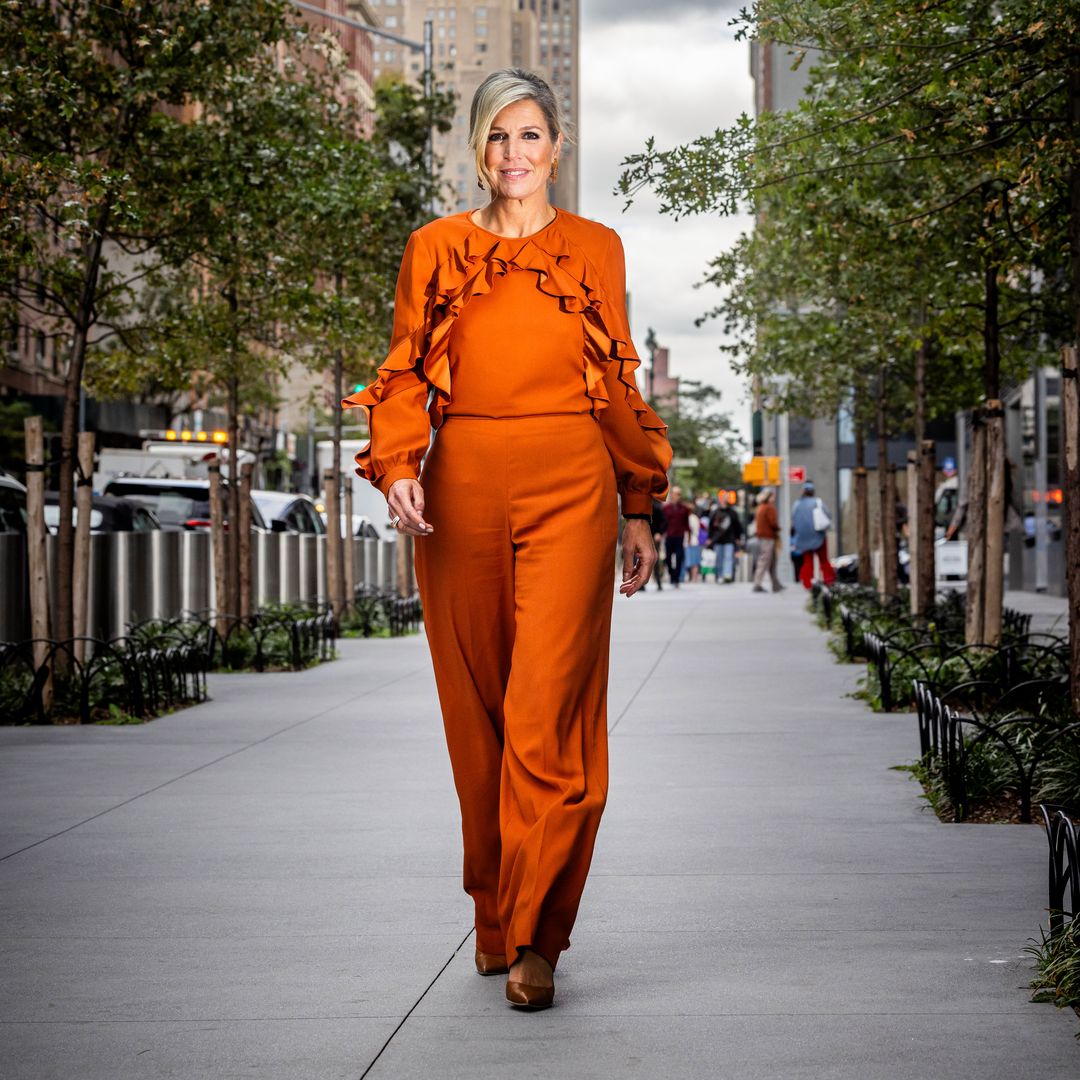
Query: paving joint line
x: 207, y: 765
x: 382, y: 1049
x: 656, y: 664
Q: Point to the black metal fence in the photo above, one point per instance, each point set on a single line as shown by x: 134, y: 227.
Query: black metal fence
x: 1064, y: 876
x: 1004, y: 737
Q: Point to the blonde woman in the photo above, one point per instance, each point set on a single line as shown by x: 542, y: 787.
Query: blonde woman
x: 511, y: 340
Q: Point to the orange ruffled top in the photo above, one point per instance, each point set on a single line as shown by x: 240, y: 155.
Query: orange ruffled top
x: 486, y: 325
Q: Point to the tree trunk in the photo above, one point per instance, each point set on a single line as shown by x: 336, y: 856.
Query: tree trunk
x: 975, y: 529
x: 336, y: 583
x: 1070, y: 476
x: 244, y: 539
x: 993, y: 592
x: 333, y: 550
x: 80, y: 577
x: 69, y: 428
x: 348, y: 548
x: 912, y: 480
x: 924, y: 566
x: 36, y: 555
x: 921, y: 508
x: 217, y: 541
x: 862, y: 505
x: 886, y: 500
x: 232, y: 532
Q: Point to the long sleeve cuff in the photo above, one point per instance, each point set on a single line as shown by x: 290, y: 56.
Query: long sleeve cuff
x: 401, y: 472
x: 634, y: 502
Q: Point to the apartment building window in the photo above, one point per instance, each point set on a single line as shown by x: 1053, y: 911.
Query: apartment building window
x: 39, y: 348
x: 453, y: 14
x: 391, y: 21
x: 452, y: 32
x: 481, y: 30
x: 481, y: 46
x: 480, y: 12
x: 442, y: 31
x: 14, y: 333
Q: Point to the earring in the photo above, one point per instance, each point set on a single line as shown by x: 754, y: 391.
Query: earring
x: 554, y: 169
x: 480, y: 183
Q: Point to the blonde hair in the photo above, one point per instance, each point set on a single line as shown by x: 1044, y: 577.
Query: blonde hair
x: 502, y: 88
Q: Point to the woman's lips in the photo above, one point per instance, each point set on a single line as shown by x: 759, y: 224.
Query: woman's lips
x: 515, y: 174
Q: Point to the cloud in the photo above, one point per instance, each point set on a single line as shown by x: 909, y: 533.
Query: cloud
x: 673, y: 79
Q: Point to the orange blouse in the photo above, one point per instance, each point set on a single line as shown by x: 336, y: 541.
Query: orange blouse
x: 515, y: 327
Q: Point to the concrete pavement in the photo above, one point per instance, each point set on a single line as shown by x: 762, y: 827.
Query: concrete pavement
x: 268, y: 885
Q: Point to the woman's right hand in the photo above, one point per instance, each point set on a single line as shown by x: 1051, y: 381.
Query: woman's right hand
x: 406, y: 502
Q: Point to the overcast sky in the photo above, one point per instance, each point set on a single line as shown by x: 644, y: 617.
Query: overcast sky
x: 671, y: 69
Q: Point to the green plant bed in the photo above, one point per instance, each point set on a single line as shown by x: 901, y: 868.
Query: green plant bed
x: 990, y: 781
x: 380, y: 632
x: 1057, y: 967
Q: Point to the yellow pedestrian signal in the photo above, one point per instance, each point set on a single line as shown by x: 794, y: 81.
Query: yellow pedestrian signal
x: 762, y: 471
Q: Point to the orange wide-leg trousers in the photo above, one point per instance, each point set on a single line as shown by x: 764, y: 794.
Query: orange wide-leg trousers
x: 517, y: 582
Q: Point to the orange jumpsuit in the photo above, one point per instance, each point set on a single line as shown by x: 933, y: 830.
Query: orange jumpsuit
x: 517, y: 352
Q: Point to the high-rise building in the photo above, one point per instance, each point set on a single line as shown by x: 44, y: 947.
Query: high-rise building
x: 470, y: 41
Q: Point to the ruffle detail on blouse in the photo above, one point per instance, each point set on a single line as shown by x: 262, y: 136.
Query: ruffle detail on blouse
x: 471, y: 270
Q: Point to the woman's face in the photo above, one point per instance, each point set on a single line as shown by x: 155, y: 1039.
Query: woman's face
x: 520, y: 151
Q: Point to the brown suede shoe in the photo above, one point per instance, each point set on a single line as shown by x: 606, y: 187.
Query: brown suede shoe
x: 490, y: 963
x: 524, y: 996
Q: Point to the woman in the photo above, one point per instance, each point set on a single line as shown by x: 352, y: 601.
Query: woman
x: 511, y: 340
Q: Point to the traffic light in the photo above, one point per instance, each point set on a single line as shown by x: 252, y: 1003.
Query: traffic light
x: 762, y: 471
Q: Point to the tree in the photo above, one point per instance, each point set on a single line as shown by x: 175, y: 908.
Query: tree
x: 95, y: 149
x: 696, y: 430
x: 356, y: 212
x: 953, y: 118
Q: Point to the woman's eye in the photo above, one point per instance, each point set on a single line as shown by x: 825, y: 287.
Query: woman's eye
x: 530, y: 135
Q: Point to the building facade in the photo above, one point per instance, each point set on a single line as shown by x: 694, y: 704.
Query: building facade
x: 470, y: 41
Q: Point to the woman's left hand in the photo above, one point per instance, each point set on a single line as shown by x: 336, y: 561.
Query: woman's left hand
x: 639, y: 556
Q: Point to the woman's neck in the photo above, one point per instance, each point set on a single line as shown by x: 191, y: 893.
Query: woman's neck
x: 515, y: 218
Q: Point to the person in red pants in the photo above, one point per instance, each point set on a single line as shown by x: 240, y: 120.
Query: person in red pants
x: 810, y: 520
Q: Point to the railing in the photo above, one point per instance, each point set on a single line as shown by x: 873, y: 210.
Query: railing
x: 1012, y: 732
x: 123, y: 679
x: 158, y: 665
x: 1064, y: 876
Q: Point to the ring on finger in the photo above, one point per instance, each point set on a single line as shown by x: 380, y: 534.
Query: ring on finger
x: 395, y: 522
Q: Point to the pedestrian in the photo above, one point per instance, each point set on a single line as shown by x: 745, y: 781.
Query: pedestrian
x: 675, y: 534
x: 725, y: 537
x: 539, y: 431
x: 693, y: 544
x: 810, y: 521
x: 659, y: 527
x: 767, y: 531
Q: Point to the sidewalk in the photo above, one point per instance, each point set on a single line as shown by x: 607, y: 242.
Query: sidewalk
x: 268, y: 885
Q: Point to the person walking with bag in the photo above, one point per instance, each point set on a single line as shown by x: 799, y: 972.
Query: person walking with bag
x: 511, y: 340
x: 810, y: 522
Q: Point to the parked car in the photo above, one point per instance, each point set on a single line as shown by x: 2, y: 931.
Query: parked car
x: 289, y: 512
x: 177, y: 504
x: 363, y: 528
x: 108, y: 513
x: 12, y: 504
x: 847, y: 567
